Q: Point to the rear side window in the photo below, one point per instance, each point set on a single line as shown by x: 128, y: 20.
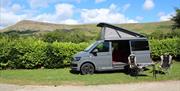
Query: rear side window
x: 139, y: 45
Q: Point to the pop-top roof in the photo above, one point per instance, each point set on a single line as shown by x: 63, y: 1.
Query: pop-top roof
x: 111, y: 32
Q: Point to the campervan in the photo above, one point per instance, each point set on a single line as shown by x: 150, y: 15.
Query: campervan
x: 112, y: 50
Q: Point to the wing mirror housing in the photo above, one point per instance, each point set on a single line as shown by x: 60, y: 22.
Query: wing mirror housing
x: 94, y: 52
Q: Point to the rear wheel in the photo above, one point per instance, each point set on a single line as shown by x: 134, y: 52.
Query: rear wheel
x: 87, y: 68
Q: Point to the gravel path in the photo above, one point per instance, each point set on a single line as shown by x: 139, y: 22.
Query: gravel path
x: 145, y: 86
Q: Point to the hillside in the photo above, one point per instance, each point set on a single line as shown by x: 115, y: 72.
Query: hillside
x: 45, y: 27
x: 147, y: 28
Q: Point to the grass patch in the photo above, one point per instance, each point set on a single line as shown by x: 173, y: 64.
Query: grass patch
x: 63, y: 77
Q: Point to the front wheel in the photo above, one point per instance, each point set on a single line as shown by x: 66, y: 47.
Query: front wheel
x: 87, y: 68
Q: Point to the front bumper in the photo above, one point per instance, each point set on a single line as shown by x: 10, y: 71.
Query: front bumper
x: 75, y: 66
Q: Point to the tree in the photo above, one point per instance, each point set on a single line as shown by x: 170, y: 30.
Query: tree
x: 176, y: 19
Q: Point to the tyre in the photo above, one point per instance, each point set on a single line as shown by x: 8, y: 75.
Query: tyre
x: 87, y: 68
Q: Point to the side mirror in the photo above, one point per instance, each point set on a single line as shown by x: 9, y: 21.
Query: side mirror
x: 94, y: 52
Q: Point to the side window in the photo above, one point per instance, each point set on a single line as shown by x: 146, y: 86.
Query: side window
x: 139, y: 45
x: 103, y: 47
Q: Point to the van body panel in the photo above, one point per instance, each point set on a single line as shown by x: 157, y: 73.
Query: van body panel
x: 141, y: 50
x: 142, y: 56
x: 102, y: 61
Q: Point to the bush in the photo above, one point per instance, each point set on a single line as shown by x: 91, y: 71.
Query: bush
x: 159, y: 47
x: 21, y: 53
x: 176, y: 19
x: 5, y: 47
x: 157, y: 35
x: 32, y: 53
x: 59, y: 54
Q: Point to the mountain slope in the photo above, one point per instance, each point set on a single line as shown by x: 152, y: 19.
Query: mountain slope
x: 45, y: 27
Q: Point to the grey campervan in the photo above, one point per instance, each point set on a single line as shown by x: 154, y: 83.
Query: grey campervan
x: 112, y: 51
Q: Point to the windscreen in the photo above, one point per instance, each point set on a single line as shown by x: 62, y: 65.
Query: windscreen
x: 89, y: 47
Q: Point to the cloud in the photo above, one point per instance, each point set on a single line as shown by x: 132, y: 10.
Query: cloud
x: 78, y: 1
x: 5, y: 3
x: 148, y: 5
x: 16, y: 8
x: 112, y: 6
x: 52, y: 18
x: 125, y: 7
x: 8, y: 17
x: 161, y: 14
x: 1, y: 27
x: 64, y: 10
x: 40, y: 3
x: 104, y: 15
x: 69, y: 22
x: 62, y: 14
x: 165, y: 17
x: 99, y: 1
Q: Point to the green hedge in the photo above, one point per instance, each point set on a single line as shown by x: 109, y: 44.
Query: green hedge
x: 30, y: 53
x: 170, y: 45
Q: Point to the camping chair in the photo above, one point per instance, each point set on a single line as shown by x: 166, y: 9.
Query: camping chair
x: 134, y: 68
x: 165, y: 64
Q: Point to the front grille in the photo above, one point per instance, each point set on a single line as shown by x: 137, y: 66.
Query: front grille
x: 74, y: 65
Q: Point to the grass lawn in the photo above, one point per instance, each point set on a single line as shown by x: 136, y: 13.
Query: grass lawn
x: 63, y: 77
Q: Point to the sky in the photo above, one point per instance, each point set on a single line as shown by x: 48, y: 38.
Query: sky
x: 86, y: 11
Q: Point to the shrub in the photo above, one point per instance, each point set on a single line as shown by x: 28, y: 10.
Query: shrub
x: 5, y: 47
x: 67, y: 50
x: 176, y: 19
x: 159, y: 47
x: 32, y: 53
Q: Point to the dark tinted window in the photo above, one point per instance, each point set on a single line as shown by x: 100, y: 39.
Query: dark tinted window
x: 103, y: 47
x: 139, y: 45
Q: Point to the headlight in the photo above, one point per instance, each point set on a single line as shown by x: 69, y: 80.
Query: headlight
x: 77, y: 58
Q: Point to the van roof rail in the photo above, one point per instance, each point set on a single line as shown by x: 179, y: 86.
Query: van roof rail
x: 119, y: 29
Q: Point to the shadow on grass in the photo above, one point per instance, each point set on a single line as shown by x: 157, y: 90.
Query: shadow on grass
x: 110, y: 72
x: 159, y: 72
x: 74, y: 72
x: 101, y: 72
x: 125, y: 71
